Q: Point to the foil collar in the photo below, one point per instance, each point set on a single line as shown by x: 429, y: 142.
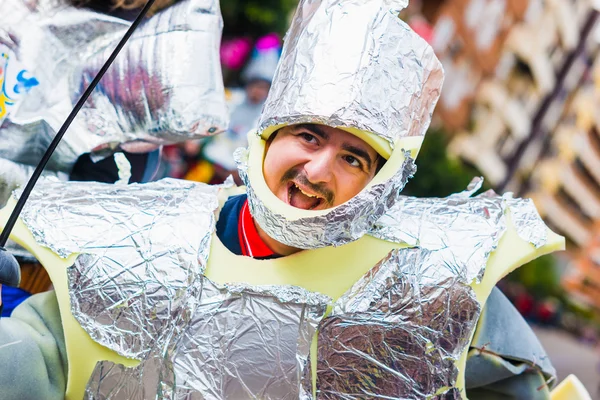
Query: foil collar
x: 398, y: 332
x: 467, y: 229
x: 340, y: 225
x: 165, y: 86
x: 144, y: 245
x: 240, y: 343
x: 385, y: 80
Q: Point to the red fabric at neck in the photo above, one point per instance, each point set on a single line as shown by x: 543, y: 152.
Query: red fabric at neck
x: 250, y: 242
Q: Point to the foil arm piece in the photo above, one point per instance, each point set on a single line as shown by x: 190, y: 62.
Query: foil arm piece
x: 527, y: 221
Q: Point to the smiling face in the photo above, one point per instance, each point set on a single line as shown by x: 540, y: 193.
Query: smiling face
x: 315, y: 167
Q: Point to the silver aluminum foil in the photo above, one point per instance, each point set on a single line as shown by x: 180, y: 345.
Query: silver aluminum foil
x: 526, y: 220
x: 139, y: 290
x: 240, y: 343
x: 465, y: 229
x: 165, y: 86
x: 145, y: 245
x: 14, y: 175
x: 354, y: 63
x: 397, y: 332
x: 342, y: 224
x: 350, y: 63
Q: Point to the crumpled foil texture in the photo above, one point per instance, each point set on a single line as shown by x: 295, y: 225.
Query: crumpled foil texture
x: 139, y: 289
x: 144, y: 246
x: 165, y: 85
x: 397, y: 333
x: 354, y: 63
x: 14, y: 175
x: 465, y: 230
x: 241, y: 343
x: 385, y: 80
x: 342, y: 224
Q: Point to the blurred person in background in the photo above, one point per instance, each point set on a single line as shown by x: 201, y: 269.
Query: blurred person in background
x: 214, y: 161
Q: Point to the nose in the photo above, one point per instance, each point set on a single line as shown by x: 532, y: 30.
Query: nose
x: 319, y: 168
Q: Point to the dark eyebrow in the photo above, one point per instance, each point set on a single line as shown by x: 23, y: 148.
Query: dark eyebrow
x: 357, y: 151
x: 313, y: 128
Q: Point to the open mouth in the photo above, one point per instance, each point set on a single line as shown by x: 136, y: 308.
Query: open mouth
x: 301, y: 198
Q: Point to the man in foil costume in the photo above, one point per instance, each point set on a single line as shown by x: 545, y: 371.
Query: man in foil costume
x: 321, y: 281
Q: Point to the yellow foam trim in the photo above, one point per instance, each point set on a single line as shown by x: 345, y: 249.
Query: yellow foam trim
x: 570, y: 388
x: 331, y: 271
x: 381, y: 145
x: 82, y: 352
x: 512, y: 252
x: 256, y: 146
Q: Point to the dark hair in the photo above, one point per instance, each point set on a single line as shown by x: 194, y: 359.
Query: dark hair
x: 380, y: 159
x: 380, y: 163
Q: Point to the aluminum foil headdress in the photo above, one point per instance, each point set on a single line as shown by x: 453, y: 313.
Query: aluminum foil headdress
x: 165, y: 86
x: 354, y: 65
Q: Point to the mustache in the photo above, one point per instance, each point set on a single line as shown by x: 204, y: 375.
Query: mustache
x: 298, y: 176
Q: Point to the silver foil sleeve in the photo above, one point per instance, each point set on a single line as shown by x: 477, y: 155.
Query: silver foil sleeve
x: 354, y: 63
x: 397, y: 332
x: 467, y: 227
x: 165, y: 86
x: 240, y: 343
x: 342, y: 224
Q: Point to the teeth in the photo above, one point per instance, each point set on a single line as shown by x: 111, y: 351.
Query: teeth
x: 306, y: 194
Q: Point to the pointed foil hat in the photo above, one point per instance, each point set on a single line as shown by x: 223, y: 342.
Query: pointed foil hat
x: 354, y: 64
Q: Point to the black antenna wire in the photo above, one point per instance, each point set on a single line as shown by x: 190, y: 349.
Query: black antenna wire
x: 12, y: 278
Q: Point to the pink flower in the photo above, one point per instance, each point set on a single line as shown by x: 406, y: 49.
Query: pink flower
x: 235, y: 51
x: 268, y: 42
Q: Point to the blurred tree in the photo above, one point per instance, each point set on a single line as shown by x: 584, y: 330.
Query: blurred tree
x: 541, y: 277
x: 256, y: 17
x: 437, y: 174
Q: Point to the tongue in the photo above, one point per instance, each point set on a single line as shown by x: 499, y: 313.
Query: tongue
x: 300, y: 200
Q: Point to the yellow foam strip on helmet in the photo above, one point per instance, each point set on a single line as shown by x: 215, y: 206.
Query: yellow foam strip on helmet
x: 379, y: 144
x: 257, y: 145
x: 82, y: 351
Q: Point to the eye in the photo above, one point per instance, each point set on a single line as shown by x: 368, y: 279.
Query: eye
x: 353, y: 161
x: 308, y: 137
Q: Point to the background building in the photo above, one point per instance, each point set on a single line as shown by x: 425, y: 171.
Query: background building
x: 520, y: 104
